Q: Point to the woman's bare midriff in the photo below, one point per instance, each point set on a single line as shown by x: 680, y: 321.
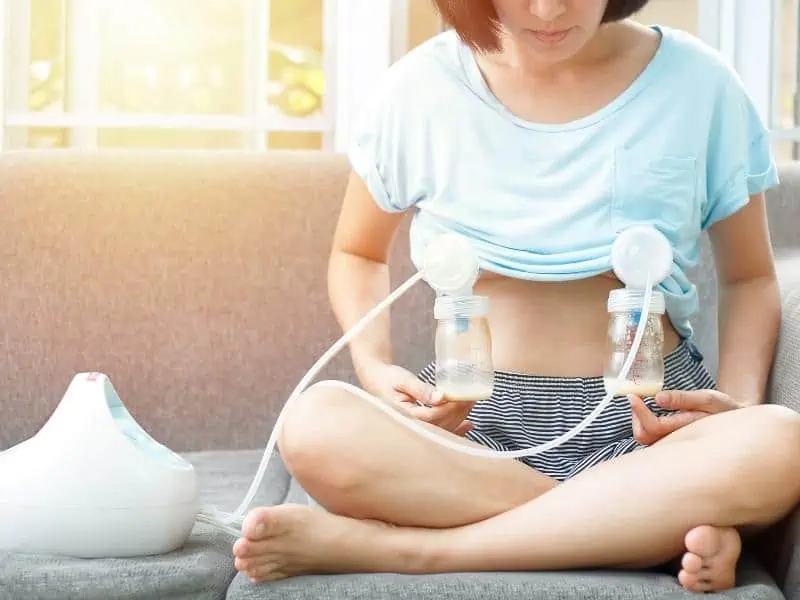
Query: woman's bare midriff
x: 556, y: 329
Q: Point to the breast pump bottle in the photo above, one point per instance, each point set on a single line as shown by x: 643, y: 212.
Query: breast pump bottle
x: 463, y: 345
x: 646, y: 375
x: 638, y: 252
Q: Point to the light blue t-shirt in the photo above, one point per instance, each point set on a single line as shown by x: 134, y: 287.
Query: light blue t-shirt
x: 681, y: 148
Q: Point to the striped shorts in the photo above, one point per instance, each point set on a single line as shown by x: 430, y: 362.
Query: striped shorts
x: 529, y: 410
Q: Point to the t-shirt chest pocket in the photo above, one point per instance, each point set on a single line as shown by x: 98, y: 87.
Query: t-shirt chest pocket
x: 660, y: 189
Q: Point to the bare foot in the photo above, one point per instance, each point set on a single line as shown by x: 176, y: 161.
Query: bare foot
x: 709, y: 564
x: 288, y: 540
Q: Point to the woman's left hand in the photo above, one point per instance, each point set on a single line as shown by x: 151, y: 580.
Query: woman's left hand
x: 692, y: 405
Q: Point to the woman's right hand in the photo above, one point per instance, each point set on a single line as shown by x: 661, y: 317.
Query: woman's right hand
x: 416, y: 398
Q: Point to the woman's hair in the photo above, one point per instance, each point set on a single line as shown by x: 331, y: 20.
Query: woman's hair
x: 476, y: 21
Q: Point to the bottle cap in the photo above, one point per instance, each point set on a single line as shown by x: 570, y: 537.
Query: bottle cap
x: 450, y: 264
x: 629, y: 300
x: 460, y: 307
x: 640, y: 249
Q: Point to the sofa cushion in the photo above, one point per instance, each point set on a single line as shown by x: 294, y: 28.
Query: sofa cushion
x: 201, y: 570
x: 753, y: 584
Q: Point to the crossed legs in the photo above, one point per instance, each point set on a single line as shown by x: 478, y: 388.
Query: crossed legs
x: 356, y: 461
x: 400, y: 503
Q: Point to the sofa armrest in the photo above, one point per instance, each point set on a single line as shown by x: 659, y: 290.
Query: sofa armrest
x: 785, y: 377
x: 779, y: 548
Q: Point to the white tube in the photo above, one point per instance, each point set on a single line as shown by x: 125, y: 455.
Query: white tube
x: 223, y: 521
x: 486, y: 453
x: 312, y: 372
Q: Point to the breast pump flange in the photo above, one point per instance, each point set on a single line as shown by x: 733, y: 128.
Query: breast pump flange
x: 641, y: 258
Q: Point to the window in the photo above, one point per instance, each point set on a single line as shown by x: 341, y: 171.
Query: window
x: 786, y: 103
x: 185, y: 73
x: 286, y: 73
x: 423, y: 22
x: 679, y: 14
x: 759, y: 39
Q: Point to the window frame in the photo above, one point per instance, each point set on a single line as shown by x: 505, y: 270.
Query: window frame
x: 747, y: 34
x: 358, y: 48
x: 362, y: 39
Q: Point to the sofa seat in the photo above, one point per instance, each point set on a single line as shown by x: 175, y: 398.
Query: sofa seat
x: 755, y: 584
x: 196, y: 281
x: 202, y: 570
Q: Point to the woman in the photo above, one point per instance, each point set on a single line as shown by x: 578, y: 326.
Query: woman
x: 540, y: 129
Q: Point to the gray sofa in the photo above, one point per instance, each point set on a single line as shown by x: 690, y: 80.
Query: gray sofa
x: 196, y: 281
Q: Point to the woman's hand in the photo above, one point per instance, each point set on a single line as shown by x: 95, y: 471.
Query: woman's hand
x: 416, y: 398
x: 648, y: 428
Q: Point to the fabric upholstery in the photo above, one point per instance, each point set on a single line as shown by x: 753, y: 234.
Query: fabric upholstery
x: 754, y: 584
x: 196, y: 281
x: 780, y: 547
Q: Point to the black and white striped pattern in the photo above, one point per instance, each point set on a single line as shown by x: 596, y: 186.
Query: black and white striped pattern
x: 529, y: 410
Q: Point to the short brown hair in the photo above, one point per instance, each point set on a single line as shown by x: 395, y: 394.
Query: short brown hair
x: 477, y: 24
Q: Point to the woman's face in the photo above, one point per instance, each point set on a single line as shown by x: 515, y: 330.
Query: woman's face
x: 551, y: 30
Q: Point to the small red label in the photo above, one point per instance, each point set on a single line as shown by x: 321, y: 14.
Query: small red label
x: 92, y: 376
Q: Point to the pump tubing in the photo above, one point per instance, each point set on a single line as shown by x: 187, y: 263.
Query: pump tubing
x: 224, y: 521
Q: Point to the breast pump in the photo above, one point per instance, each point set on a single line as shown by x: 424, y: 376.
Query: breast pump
x: 91, y: 468
x: 641, y: 258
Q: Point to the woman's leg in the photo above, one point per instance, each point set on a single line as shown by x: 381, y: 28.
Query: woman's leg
x: 728, y: 470
x: 356, y: 461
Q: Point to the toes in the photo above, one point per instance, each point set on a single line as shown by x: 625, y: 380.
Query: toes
x: 703, y: 541
x: 245, y: 565
x: 710, y: 561
x: 240, y: 548
x: 687, y: 580
x: 265, y: 572
x: 244, y: 548
x: 255, y: 524
x: 269, y: 534
x: 259, y: 570
x: 694, y: 582
x: 691, y: 563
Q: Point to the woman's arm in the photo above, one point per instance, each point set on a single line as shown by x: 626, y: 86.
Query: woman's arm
x: 749, y: 302
x: 749, y: 318
x: 358, y: 273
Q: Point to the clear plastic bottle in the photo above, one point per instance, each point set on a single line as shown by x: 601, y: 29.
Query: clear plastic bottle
x: 646, y: 375
x: 464, y: 369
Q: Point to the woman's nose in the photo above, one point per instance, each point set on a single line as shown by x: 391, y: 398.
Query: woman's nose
x: 547, y: 10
